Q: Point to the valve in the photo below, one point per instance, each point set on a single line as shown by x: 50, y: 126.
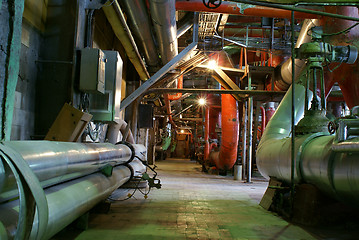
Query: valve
x: 152, y: 182
x: 212, y: 4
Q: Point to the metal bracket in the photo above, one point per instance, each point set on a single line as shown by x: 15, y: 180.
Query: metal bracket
x: 164, y: 70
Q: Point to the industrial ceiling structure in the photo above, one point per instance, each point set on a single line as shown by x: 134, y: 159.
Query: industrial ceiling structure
x: 95, y: 91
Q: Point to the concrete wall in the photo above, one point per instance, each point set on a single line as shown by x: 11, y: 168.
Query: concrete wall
x: 24, y: 106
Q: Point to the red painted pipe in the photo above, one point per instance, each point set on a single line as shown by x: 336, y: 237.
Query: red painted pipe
x: 234, y: 8
x: 168, y: 108
x: 179, y: 86
x: 213, y: 121
x: 227, y: 155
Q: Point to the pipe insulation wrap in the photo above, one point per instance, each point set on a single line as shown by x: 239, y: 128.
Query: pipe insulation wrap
x: 318, y: 160
x: 56, y: 162
x: 274, y: 147
x: 70, y: 200
x: 304, y: 37
x: 140, y: 25
x: 163, y: 14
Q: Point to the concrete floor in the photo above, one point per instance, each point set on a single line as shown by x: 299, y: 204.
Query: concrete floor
x: 191, y: 205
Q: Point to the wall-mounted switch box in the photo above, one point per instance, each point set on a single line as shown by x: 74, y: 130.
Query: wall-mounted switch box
x: 92, y: 71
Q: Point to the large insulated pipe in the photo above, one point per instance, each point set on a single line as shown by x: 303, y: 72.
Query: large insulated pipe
x: 227, y: 155
x: 319, y: 159
x: 68, y: 201
x: 136, y: 12
x: 273, y: 152
x: 163, y: 14
x: 185, y: 24
x: 235, y: 8
x: 115, y: 128
x: 56, y: 162
x: 285, y: 78
x: 119, y: 26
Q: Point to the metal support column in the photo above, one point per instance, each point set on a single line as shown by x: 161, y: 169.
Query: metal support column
x: 244, y: 139
x: 250, y: 130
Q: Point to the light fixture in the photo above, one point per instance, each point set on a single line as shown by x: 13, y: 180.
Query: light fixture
x: 182, y: 131
x: 212, y: 64
x: 201, y: 101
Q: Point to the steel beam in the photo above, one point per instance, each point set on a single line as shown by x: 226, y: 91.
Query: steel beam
x: 165, y: 69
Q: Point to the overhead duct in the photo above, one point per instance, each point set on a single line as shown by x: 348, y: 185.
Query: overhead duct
x: 119, y: 26
x: 136, y: 12
x: 163, y: 14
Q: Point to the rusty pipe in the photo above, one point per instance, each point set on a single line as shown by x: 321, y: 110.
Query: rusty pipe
x: 234, y: 8
x: 179, y: 86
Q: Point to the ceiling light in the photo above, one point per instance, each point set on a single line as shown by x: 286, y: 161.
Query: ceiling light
x: 201, y: 101
x: 182, y: 131
x: 212, y: 64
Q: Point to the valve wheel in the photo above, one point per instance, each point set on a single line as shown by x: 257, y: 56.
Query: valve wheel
x: 212, y: 4
x: 331, y: 127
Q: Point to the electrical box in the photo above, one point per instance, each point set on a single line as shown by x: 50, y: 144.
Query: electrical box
x: 92, y: 71
x: 106, y: 107
x: 145, y: 116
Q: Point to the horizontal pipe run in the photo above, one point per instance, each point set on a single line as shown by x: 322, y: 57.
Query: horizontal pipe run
x: 235, y: 8
x: 347, y: 146
x: 70, y: 200
x: 56, y: 162
x: 247, y: 93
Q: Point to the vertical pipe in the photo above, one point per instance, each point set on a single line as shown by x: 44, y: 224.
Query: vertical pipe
x: 292, y: 172
x: 163, y: 14
x: 206, y: 134
x: 244, y: 139
x: 255, y: 129
x: 263, y: 124
x: 250, y: 130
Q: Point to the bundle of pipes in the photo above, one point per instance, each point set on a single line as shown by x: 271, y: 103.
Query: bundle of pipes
x: 69, y: 174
